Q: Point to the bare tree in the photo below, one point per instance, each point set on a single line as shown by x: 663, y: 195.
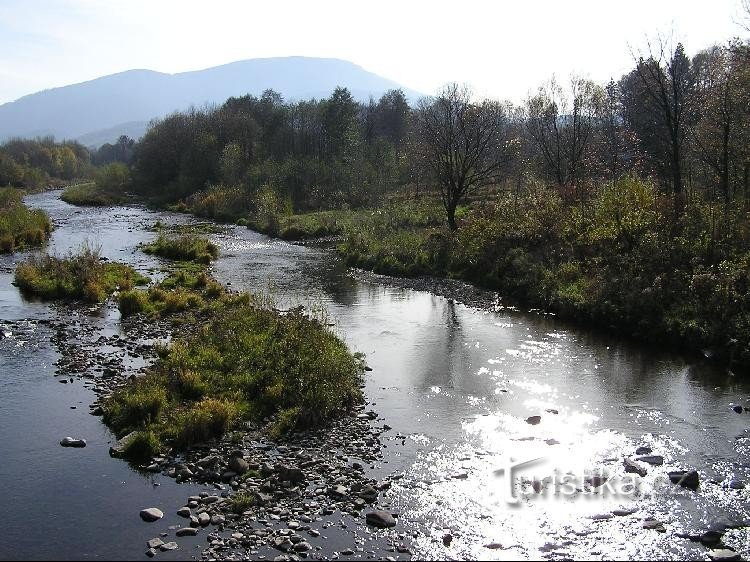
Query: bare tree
x: 561, y: 126
x: 463, y: 143
x: 668, y: 81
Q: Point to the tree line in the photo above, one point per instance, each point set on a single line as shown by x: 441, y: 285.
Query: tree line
x: 682, y: 122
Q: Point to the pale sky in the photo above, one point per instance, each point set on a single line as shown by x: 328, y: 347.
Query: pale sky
x: 503, y: 49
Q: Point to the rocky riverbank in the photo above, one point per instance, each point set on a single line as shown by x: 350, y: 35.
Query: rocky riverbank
x: 279, y: 497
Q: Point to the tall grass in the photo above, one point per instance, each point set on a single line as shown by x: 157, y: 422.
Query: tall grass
x: 20, y: 227
x: 185, y: 247
x: 79, y: 276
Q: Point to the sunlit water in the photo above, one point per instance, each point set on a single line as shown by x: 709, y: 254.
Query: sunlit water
x: 455, y: 384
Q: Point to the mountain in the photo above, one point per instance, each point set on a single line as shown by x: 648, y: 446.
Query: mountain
x: 100, y: 110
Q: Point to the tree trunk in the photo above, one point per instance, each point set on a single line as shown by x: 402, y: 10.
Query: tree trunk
x: 451, y: 211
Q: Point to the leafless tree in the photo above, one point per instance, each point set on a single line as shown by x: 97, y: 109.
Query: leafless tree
x: 463, y: 143
x: 668, y: 82
x: 561, y: 126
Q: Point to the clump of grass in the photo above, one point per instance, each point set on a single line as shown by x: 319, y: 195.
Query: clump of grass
x: 204, y: 420
x: 188, y: 288
x: 20, y: 227
x: 186, y: 247
x: 247, y: 362
x: 142, y: 446
x: 79, y: 276
x: 241, y: 502
x: 138, y: 404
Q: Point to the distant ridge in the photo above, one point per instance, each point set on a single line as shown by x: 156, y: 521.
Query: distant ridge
x: 99, y: 110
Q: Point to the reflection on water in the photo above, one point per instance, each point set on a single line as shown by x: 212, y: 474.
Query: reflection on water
x: 458, y: 385
x: 461, y: 389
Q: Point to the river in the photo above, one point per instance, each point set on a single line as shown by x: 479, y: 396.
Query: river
x: 458, y: 385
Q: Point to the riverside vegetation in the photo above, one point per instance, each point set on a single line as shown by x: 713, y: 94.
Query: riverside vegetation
x: 244, y: 360
x: 20, y: 227
x: 79, y: 276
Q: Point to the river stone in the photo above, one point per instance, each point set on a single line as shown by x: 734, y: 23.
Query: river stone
x: 655, y: 525
x: 624, y: 511
x: 736, y: 484
x: 186, y: 532
x: 634, y: 468
x: 184, y: 512
x: 290, y: 473
x: 596, y: 480
x: 151, y: 514
x: 169, y: 546
x: 338, y: 491
x: 282, y: 543
x: 724, y: 554
x: 238, y: 465
x: 711, y: 538
x: 302, y: 546
x: 737, y: 408
x: 154, y: 543
x: 534, y: 420
x: 204, y: 519
x: 118, y: 449
x: 643, y: 450
x: 369, y: 494
x: 379, y: 518
x: 685, y: 478
x: 656, y: 460
x: 71, y: 442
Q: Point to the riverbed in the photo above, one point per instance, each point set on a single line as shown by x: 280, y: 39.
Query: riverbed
x: 467, y: 391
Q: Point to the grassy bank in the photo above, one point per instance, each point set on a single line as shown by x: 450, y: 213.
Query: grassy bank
x: 79, y: 276
x: 90, y: 194
x: 20, y: 227
x: 627, y: 261
x: 108, y: 187
x: 247, y: 362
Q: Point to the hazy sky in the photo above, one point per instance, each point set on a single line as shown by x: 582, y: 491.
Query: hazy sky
x: 503, y: 48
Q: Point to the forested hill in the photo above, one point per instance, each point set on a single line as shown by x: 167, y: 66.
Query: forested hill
x: 99, y: 108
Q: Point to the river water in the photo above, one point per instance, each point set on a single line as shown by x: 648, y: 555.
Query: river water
x: 456, y: 384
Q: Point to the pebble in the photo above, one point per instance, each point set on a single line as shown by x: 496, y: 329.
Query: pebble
x: 380, y: 518
x: 534, y: 420
x: 724, y: 554
x: 151, y: 514
x: 169, y: 546
x: 186, y: 532
x: 656, y: 460
x: 154, y: 543
x: 72, y: 442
